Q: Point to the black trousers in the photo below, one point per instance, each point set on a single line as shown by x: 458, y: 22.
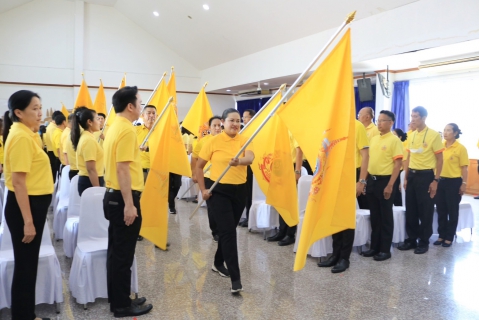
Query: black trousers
x: 174, y: 187
x: 85, y: 183
x: 72, y: 173
x: 382, y: 221
x: 25, y: 254
x: 54, y: 164
x: 398, y: 192
x: 249, y: 190
x: 286, y: 230
x: 227, y: 204
x: 419, y: 207
x: 307, y: 167
x: 211, y: 219
x: 121, y: 248
x: 447, y: 204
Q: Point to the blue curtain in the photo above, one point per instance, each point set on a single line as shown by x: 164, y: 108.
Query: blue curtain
x: 360, y: 105
x: 254, y: 104
x: 400, y: 104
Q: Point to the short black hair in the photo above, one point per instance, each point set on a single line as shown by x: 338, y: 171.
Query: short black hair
x: 389, y: 114
x: 213, y: 118
x: 123, y: 97
x: 228, y: 111
x: 55, y: 114
x: 60, y: 118
x: 455, y: 128
x: 149, y: 106
x: 421, y: 110
x: 250, y: 111
x: 101, y: 115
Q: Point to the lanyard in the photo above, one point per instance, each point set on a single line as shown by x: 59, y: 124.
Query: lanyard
x: 422, y: 139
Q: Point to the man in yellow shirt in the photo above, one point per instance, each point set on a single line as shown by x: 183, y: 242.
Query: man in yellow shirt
x: 422, y: 171
x: 64, y: 137
x: 60, y: 122
x: 385, y: 160
x: 366, y: 116
x: 48, y: 143
x: 124, y: 185
x: 100, y: 135
x: 149, y: 117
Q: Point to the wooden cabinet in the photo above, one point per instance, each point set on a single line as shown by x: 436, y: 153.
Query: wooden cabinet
x: 472, y: 186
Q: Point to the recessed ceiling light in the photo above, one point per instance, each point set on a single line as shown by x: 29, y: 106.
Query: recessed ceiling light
x: 206, y: 7
x: 228, y: 90
x: 266, y: 83
x: 156, y: 13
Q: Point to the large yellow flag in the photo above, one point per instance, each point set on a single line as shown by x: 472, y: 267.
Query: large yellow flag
x: 167, y: 155
x: 196, y: 120
x: 273, y: 165
x: 112, y: 115
x: 172, y: 89
x: 65, y: 111
x: 160, y: 98
x: 100, y: 100
x: 83, y: 97
x: 320, y: 115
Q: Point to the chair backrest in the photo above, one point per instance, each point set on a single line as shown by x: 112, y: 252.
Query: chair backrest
x: 304, y: 172
x: 73, y: 199
x: 92, y: 223
x: 258, y: 194
x: 3, y: 210
x: 403, y: 192
x: 304, y: 185
x: 64, y: 192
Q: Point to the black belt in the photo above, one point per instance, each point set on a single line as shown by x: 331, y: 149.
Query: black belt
x: 373, y: 177
x: 445, y: 178
x: 145, y: 170
x: 134, y: 192
x: 421, y: 171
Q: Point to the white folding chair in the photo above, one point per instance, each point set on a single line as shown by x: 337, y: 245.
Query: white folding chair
x: 304, y: 172
x: 48, y: 288
x: 187, y: 184
x: 70, y: 229
x: 399, y: 216
x: 60, y: 213
x: 88, y: 273
x: 262, y: 216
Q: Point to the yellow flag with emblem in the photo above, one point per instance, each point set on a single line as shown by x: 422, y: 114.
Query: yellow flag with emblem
x: 100, y: 100
x: 324, y: 105
x: 83, y: 98
x: 167, y: 155
x: 196, y: 120
x: 112, y: 115
x: 273, y: 165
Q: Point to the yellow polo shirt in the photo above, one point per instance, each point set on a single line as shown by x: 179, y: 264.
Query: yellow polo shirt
x: 383, y: 150
x: 88, y: 149
x: 48, y: 135
x: 71, y: 153
x: 372, y: 131
x: 121, y: 145
x: 197, y: 150
x: 220, y: 149
x: 23, y: 154
x: 423, y: 147
x: 1, y: 149
x: 362, y: 141
x: 56, y: 140
x: 65, y: 136
x: 141, y: 133
x: 455, y: 157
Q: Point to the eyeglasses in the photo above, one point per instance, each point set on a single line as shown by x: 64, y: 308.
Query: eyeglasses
x: 383, y: 120
x: 246, y: 118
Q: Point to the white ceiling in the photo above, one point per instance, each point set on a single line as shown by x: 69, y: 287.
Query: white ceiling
x: 6, y: 5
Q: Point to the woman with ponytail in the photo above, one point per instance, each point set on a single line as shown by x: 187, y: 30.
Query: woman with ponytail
x: 29, y: 195
x: 89, y: 153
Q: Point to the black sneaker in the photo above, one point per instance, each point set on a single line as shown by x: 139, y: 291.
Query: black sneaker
x: 140, y: 238
x: 221, y: 270
x: 172, y: 211
x: 236, y: 287
x: 216, y: 238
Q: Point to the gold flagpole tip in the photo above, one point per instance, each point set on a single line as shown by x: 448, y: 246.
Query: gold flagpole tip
x: 282, y: 86
x: 172, y: 67
x: 165, y: 73
x: 351, y: 17
x: 206, y: 83
x: 171, y: 99
x: 83, y: 75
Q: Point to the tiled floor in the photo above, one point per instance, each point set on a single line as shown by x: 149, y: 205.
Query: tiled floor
x: 179, y: 283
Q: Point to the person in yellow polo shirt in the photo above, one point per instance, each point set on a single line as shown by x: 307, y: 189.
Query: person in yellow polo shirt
x: 343, y: 240
x: 398, y: 194
x: 366, y: 116
x: 100, y: 135
x: 228, y: 198
x: 48, y: 143
x: 68, y: 150
x: 215, y: 129
x: 89, y: 153
x: 385, y: 160
x: 422, y: 170
x: 149, y: 117
x: 29, y: 196
x: 121, y: 204
x: 451, y: 186
x: 64, y: 137
x: 60, y: 122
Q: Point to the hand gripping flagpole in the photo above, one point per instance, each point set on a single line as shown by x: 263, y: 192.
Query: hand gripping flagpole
x: 287, y: 94
x: 151, y: 96
x: 156, y: 122
x: 109, y: 111
x: 246, y: 126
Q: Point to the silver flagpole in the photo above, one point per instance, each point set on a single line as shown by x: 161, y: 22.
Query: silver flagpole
x: 151, y: 96
x: 156, y: 122
x: 109, y: 111
x: 290, y: 90
x: 246, y: 125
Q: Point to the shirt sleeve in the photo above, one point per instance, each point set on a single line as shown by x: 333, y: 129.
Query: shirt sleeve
x: 56, y: 139
x: 437, y: 145
x: 197, y: 149
x: 20, y: 155
x: 398, y: 150
x: 463, y: 157
x: 125, y: 148
x: 65, y: 144
x: 89, y: 150
x: 362, y: 138
x: 207, y: 151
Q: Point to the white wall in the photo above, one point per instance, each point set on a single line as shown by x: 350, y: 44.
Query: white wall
x: 419, y: 25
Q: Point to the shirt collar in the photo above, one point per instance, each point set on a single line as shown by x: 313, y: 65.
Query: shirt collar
x: 86, y: 132
x: 24, y: 128
x: 455, y: 144
x: 385, y: 135
x: 228, y: 138
x: 371, y: 125
x: 119, y: 118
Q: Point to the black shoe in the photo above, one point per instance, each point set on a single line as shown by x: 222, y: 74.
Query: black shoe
x: 132, y: 311
x: 288, y: 240
x: 167, y: 246
x: 139, y: 301
x: 172, y: 211
x: 407, y: 246
x: 438, y: 242
x: 341, y: 266
x: 244, y: 223
x: 446, y: 245
x: 140, y: 238
x: 331, y: 261
x: 476, y: 197
x: 236, y: 287
x: 369, y: 253
x: 216, y: 238
x: 195, y: 200
x: 222, y: 271
x: 421, y: 250
x: 276, y: 237
x: 381, y: 256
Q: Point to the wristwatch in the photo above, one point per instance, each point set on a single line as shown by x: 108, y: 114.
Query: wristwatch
x: 363, y: 181
x: 437, y: 180
x: 297, y: 172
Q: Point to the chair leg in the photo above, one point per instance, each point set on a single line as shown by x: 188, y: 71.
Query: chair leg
x: 57, y: 307
x: 136, y: 295
x: 85, y: 307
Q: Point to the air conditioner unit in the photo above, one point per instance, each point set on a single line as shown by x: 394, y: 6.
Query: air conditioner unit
x: 253, y: 92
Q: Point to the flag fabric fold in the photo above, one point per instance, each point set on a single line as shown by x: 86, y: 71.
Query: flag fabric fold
x: 100, y: 100
x: 167, y: 154
x: 320, y: 115
x: 160, y: 97
x: 196, y: 120
x: 65, y: 111
x: 83, y: 98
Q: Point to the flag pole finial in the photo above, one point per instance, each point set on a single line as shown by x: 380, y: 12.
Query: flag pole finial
x: 206, y: 83
x: 282, y: 86
x: 82, y: 75
x: 351, y: 17
x: 172, y: 68
x: 164, y: 74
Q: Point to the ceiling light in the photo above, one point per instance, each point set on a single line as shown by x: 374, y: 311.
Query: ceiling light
x: 206, y: 7
x: 156, y: 14
x: 228, y: 90
x: 266, y: 83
